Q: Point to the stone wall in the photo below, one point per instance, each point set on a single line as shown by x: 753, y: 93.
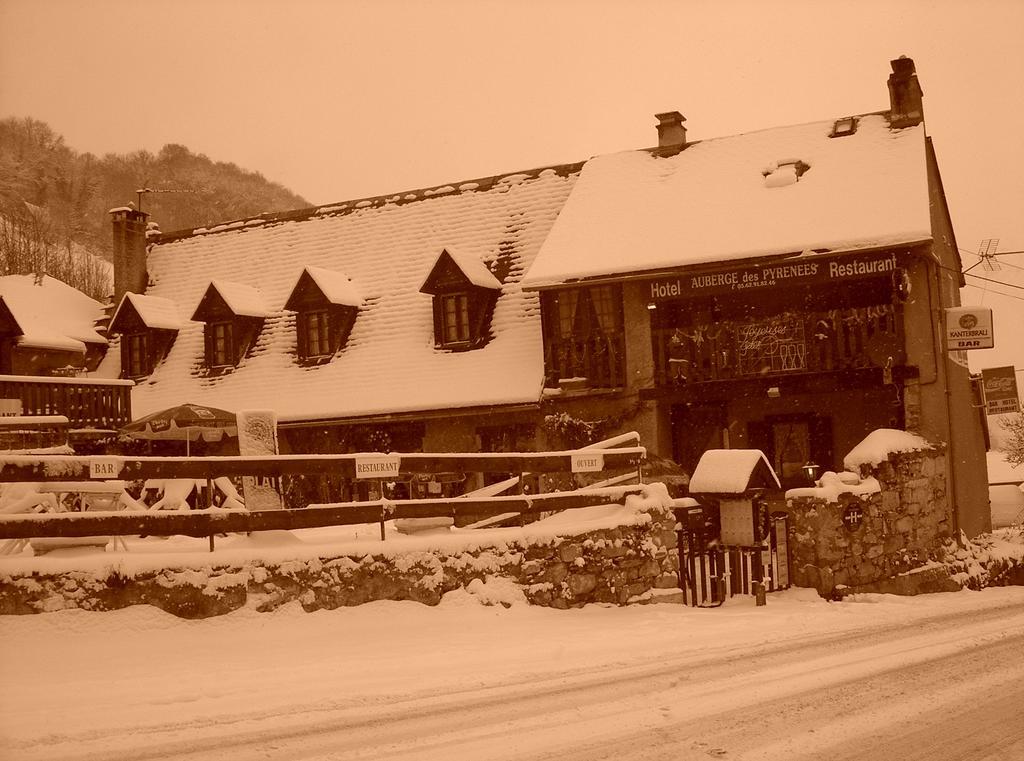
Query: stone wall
x: 906, y: 519
x: 630, y: 563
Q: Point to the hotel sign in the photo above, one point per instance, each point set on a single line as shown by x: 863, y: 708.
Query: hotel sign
x: 969, y: 328
x: 810, y: 270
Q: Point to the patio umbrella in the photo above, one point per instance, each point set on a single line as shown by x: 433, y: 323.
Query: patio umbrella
x: 185, y: 422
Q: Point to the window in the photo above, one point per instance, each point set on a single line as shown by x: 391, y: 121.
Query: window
x: 845, y: 126
x: 583, y: 336
x: 136, y: 361
x: 464, y: 292
x: 455, y: 308
x: 315, y: 329
x: 220, y: 336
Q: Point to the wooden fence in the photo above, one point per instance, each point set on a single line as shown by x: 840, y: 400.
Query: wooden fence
x: 210, y: 522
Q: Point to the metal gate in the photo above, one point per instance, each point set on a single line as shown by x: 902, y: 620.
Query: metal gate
x: 711, y: 573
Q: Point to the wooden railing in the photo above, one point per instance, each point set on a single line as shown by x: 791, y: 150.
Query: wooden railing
x: 837, y: 339
x: 207, y: 523
x: 102, y: 404
x: 600, y: 358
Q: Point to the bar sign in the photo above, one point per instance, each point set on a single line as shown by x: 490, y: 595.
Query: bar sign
x: 104, y: 467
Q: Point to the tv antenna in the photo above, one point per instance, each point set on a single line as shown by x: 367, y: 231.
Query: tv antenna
x: 987, y: 254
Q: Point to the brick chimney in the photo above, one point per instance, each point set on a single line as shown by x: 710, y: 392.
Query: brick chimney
x: 129, y: 226
x: 905, y: 94
x: 671, y: 133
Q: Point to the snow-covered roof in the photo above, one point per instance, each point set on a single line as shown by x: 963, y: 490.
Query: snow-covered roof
x: 243, y: 300
x: 740, y: 197
x: 731, y: 471
x: 155, y: 311
x: 475, y: 270
x: 337, y: 287
x: 52, y: 315
x: 383, y: 246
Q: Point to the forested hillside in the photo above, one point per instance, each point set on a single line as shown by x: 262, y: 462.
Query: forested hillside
x: 54, y: 200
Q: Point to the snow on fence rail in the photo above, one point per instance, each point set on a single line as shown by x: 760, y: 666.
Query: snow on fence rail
x: 208, y: 523
x: 72, y: 468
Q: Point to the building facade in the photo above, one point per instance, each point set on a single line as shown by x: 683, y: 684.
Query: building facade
x: 780, y: 290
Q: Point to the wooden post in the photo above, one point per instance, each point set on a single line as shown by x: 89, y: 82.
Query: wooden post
x: 211, y: 542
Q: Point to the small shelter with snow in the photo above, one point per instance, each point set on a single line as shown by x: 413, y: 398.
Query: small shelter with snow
x: 736, y: 481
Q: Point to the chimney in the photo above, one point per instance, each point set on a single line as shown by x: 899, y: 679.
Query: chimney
x: 129, y: 226
x: 671, y: 133
x: 905, y: 106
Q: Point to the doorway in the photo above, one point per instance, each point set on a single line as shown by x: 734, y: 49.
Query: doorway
x: 695, y: 429
x: 791, y: 441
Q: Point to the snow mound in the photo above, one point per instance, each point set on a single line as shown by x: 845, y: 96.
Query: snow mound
x: 495, y: 590
x: 879, y: 444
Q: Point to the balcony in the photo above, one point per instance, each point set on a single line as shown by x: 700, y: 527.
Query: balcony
x: 781, y: 344
x: 599, y: 358
x: 87, y: 403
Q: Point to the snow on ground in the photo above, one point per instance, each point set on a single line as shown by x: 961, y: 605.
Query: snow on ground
x: 126, y: 683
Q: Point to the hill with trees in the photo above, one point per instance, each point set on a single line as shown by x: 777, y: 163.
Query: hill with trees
x: 54, y: 201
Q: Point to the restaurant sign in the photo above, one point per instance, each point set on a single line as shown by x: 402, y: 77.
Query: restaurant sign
x: 800, y: 271
x: 382, y: 466
x: 1000, y: 384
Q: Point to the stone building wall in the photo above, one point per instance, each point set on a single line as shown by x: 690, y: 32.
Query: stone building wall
x: 630, y: 563
x: 907, y: 519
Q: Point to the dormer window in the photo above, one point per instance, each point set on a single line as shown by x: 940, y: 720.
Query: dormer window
x: 135, y: 355
x: 148, y: 326
x: 315, y: 328
x: 326, y: 304
x: 455, y: 311
x: 465, y: 293
x: 234, y: 315
x: 219, y: 344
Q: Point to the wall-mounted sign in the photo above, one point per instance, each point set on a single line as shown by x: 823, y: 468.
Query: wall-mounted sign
x: 817, y: 270
x: 588, y: 462
x: 853, y: 517
x: 10, y: 407
x: 383, y: 466
x: 1000, y: 384
x: 969, y: 328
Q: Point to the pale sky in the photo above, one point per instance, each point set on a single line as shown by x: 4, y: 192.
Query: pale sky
x: 343, y: 100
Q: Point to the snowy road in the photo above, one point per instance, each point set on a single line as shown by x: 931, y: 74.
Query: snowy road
x: 937, y: 677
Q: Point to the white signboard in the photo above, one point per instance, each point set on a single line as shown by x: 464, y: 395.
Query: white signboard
x: 969, y: 328
x: 587, y: 463
x: 384, y: 466
x: 10, y: 407
x: 257, y: 436
x: 104, y: 467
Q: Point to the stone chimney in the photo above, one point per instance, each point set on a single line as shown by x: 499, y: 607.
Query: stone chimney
x: 129, y: 226
x: 905, y: 94
x: 671, y: 133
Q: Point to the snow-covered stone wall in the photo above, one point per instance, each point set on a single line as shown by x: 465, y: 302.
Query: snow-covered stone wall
x: 634, y: 562
x: 858, y: 536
